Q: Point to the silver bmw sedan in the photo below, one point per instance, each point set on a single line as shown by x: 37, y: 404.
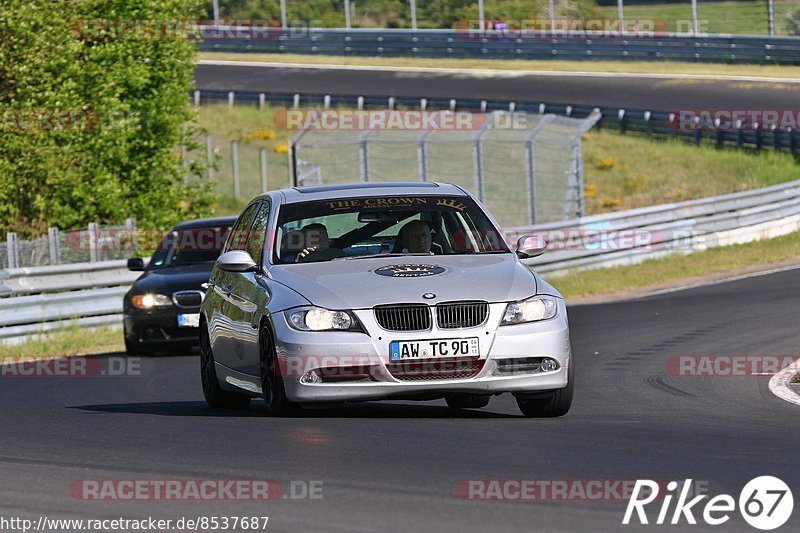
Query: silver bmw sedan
x: 380, y: 291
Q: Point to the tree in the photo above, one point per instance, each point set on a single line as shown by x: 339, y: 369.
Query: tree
x: 94, y: 114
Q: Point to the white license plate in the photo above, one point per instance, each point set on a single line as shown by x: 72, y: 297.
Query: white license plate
x: 431, y: 349
x: 189, y: 321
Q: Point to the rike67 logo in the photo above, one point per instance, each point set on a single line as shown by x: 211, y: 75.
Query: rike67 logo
x: 765, y: 503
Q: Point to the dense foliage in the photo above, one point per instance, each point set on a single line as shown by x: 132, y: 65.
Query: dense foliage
x: 93, y: 119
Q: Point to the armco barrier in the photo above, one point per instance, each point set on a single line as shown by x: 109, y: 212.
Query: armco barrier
x: 92, y: 292
x: 716, y: 48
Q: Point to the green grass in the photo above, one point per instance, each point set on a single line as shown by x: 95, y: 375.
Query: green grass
x: 645, y: 67
x: 71, y: 341
x: 677, y: 267
x: 713, y: 17
x: 624, y: 171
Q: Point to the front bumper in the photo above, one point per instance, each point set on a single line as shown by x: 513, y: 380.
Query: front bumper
x: 158, y: 327
x: 364, y: 360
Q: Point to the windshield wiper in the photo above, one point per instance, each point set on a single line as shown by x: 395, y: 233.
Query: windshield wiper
x: 383, y: 254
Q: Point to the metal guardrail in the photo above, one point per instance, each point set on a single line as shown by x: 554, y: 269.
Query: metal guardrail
x: 647, y: 122
x: 717, y: 48
x: 611, y: 239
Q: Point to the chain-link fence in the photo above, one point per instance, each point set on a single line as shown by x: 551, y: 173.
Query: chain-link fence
x: 748, y: 17
x: 88, y: 245
x: 525, y: 168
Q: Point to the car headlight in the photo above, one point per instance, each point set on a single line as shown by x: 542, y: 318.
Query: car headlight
x: 530, y: 310
x: 146, y: 301
x: 319, y: 319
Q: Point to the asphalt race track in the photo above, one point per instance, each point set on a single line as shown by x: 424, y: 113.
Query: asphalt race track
x: 394, y: 466
x: 618, y: 91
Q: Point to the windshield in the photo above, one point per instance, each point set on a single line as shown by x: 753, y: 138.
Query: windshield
x: 189, y: 246
x: 350, y: 228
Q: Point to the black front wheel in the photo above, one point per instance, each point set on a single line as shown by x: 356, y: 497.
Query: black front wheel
x: 272, y: 386
x: 215, y: 396
x: 555, y: 404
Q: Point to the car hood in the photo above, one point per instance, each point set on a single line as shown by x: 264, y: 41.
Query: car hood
x: 172, y: 279
x: 364, y: 283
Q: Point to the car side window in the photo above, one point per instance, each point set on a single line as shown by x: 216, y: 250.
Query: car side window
x: 238, y: 235
x: 258, y: 232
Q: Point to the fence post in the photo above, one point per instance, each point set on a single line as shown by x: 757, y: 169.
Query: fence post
x: 621, y: 117
x: 327, y: 101
x: 55, y: 246
x: 231, y: 97
x: 363, y: 156
x: 130, y: 226
x: 13, y: 250
x: 263, y: 153
x: 262, y: 100
x: 235, y: 157
x: 93, y: 234
x: 477, y: 162
x: 197, y: 98
x: 530, y: 170
x: 209, y: 157
x: 422, y: 156
x: 296, y: 101
x: 360, y: 103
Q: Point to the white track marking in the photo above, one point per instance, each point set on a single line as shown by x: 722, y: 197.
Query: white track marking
x: 486, y: 72
x: 779, y: 383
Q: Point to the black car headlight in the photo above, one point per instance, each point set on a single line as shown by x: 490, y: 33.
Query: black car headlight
x: 148, y: 301
x: 319, y: 319
x: 530, y: 310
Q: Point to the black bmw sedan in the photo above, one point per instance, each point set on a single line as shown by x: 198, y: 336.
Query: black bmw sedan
x: 161, y: 311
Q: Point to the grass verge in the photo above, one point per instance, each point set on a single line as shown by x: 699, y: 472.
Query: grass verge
x: 67, y: 342
x: 675, y: 268
x: 634, y: 67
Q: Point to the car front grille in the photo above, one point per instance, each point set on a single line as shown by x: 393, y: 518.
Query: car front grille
x: 188, y: 298
x: 403, y: 317
x: 436, y: 369
x: 461, y: 314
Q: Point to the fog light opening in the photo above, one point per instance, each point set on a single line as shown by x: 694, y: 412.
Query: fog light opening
x: 310, y: 377
x: 548, y: 365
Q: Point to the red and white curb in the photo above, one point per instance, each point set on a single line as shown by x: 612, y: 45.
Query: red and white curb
x: 779, y: 383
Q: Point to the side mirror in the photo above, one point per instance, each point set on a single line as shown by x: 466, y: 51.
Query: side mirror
x: 136, y: 264
x: 531, y: 246
x: 236, y: 261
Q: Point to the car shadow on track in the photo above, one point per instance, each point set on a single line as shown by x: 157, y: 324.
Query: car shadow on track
x: 355, y: 410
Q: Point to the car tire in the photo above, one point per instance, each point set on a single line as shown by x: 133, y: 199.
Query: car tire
x: 215, y: 396
x: 467, y: 401
x: 272, y: 386
x: 557, y: 404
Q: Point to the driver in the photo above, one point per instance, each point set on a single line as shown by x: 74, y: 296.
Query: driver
x: 317, y: 244
x: 415, y: 237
